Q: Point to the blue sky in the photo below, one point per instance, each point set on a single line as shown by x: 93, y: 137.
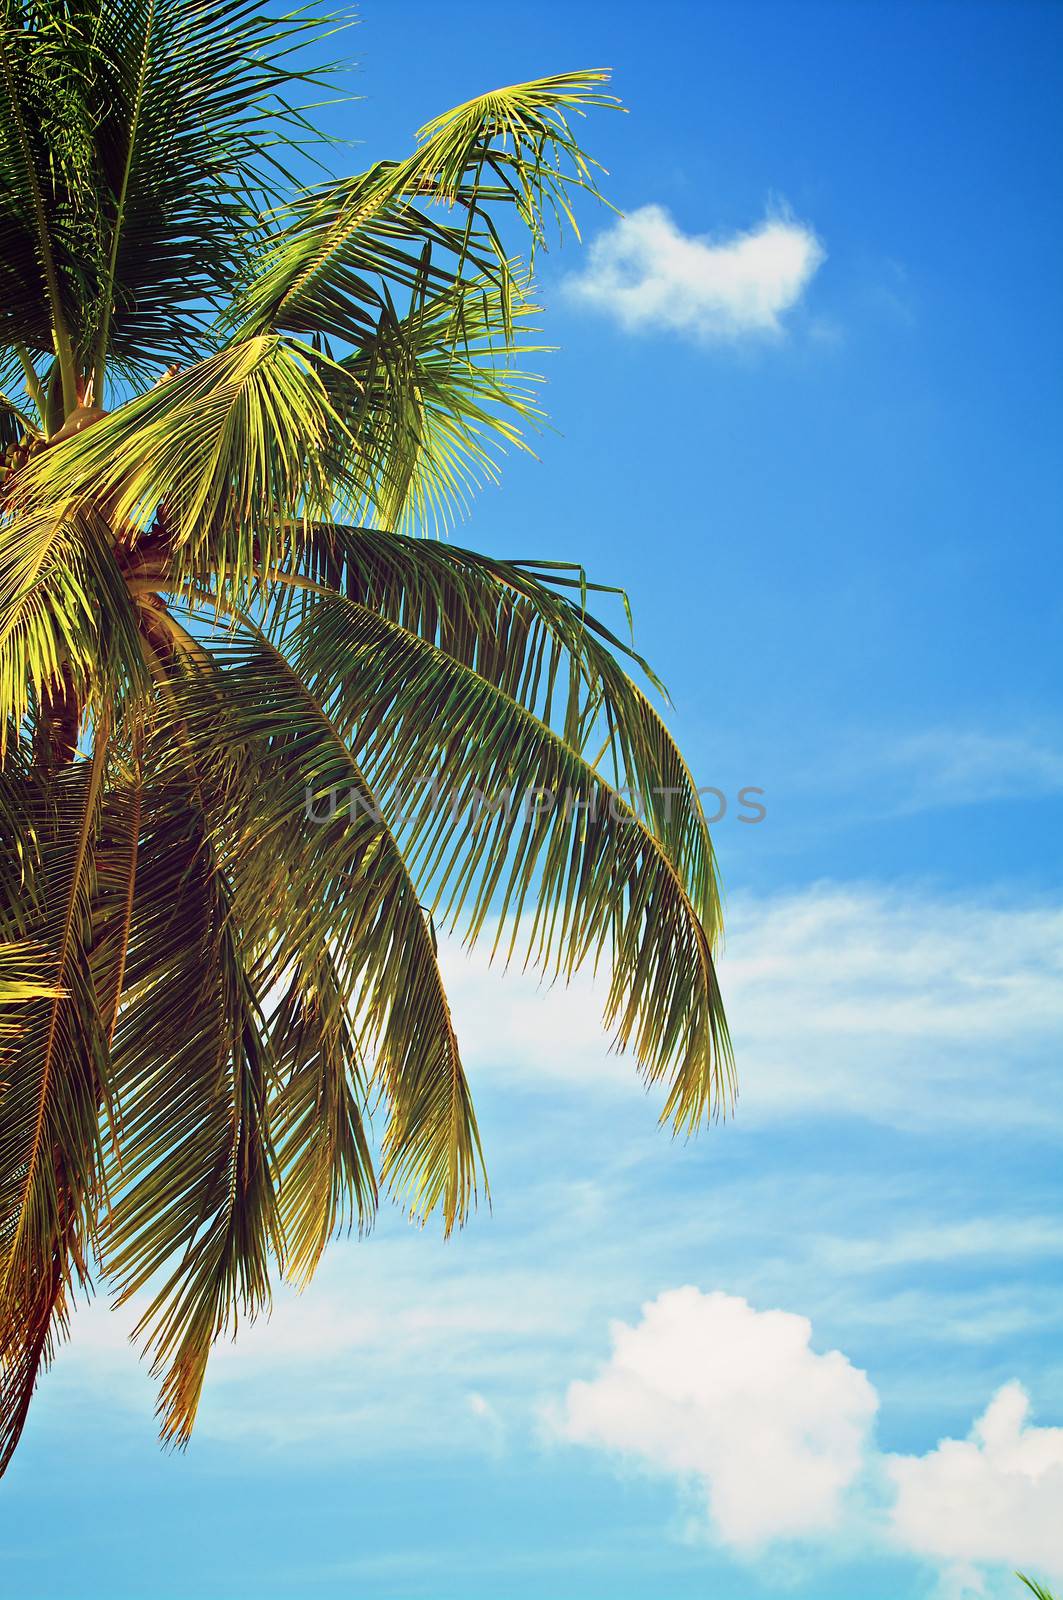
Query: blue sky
x: 831, y: 489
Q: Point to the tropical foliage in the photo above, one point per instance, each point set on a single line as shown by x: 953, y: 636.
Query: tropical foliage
x: 235, y: 399
x: 1036, y: 1589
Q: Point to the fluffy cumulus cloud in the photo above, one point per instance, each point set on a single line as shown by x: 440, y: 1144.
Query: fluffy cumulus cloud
x: 647, y: 273
x: 709, y: 1389
x: 996, y: 1497
x: 777, y: 1438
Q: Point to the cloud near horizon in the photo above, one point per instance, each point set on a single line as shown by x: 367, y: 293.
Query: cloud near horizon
x: 647, y: 273
x: 778, y: 1440
x: 993, y: 1497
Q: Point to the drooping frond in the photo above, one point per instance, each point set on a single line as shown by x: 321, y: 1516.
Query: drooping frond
x: 498, y: 806
x: 528, y: 629
x: 53, y: 1092
x: 316, y: 1117
x: 344, y: 906
x: 193, y: 1210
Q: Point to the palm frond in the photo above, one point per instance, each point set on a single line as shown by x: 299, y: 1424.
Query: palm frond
x: 193, y: 1210
x: 20, y: 980
x: 513, y: 147
x: 339, y: 900
x: 134, y: 168
x: 230, y: 450
x: 1035, y: 1588
x: 182, y: 94
x: 44, y: 142
x: 64, y: 611
x: 116, y: 875
x: 431, y: 400
x: 526, y: 628
x: 55, y: 1086
x: 324, y: 1159
x: 498, y: 804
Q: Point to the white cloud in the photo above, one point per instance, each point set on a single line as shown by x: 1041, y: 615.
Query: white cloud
x: 1008, y: 1238
x: 707, y: 1388
x: 961, y: 767
x: 898, y: 1006
x: 647, y: 273
x: 939, y: 768
x: 778, y: 1440
x: 996, y: 1497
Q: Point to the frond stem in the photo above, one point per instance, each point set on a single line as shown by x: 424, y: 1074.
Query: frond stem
x: 63, y: 348
x: 100, y: 364
x: 33, y: 382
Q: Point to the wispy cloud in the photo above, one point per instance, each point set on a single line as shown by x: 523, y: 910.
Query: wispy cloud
x: 897, y: 1006
x: 979, y: 1238
x: 647, y: 273
x: 937, y: 768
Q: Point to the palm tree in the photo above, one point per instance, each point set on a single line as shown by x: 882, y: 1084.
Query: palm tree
x: 233, y: 404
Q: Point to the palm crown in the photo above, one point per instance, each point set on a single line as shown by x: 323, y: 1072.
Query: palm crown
x: 231, y: 404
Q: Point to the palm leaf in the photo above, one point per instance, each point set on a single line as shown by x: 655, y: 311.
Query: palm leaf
x: 64, y: 608
x: 42, y: 149
x: 51, y: 1101
x: 528, y: 629
x: 134, y: 170
x: 193, y: 1211
x: 341, y: 901
x: 513, y: 146
x: 601, y: 880
x: 233, y: 448
x: 323, y: 1155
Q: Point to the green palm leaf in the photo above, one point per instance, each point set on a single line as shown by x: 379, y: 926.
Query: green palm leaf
x: 512, y: 147
x: 193, y: 1207
x: 337, y: 907
x: 601, y: 881
x: 64, y: 610
x: 54, y: 1089
x: 1035, y: 1588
